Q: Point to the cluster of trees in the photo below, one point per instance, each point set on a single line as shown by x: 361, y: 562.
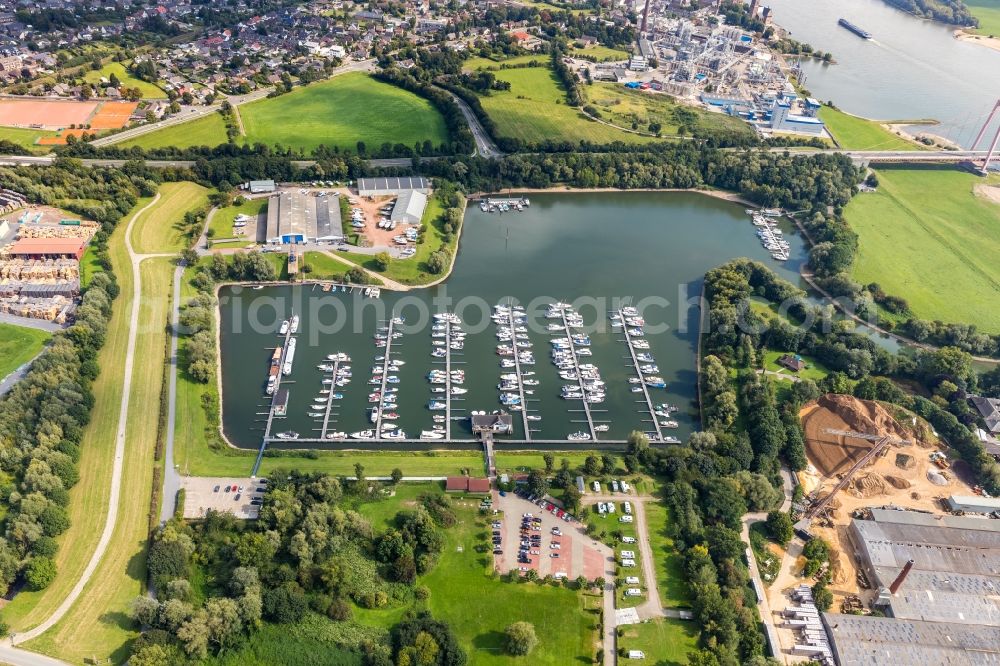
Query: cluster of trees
x: 102, y: 195
x: 307, y: 553
x: 197, y: 321
x: 952, y: 12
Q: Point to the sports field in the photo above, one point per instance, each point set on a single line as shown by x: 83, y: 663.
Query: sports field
x: 46, y: 113
x: 927, y: 237
x: 149, y: 91
x: 341, y: 112
x: 988, y: 13
x: 535, y: 110
x: 208, y: 130
x: 18, y: 345
x: 856, y: 133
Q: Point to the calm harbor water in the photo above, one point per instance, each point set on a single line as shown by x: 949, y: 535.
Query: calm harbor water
x: 911, y: 69
x: 591, y: 249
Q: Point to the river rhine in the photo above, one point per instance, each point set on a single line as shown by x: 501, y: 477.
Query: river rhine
x: 647, y: 248
x: 910, y: 69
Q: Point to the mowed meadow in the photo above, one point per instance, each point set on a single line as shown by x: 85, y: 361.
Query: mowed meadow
x: 927, y: 236
x: 337, y: 113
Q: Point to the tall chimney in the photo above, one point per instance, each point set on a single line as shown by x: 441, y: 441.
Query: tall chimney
x: 898, y: 583
x: 645, y: 20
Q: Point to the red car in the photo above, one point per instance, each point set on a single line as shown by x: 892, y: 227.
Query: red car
x: 548, y: 507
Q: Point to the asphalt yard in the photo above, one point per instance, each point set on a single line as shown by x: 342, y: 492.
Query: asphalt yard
x: 534, y: 537
x: 238, y: 496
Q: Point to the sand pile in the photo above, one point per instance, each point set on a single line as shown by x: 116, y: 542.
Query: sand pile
x: 868, y: 485
x: 896, y: 482
x: 833, y: 454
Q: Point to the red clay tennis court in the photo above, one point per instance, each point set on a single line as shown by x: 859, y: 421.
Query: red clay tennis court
x: 47, y: 113
x: 112, y: 115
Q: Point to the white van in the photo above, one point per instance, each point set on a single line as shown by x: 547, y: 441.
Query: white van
x: 625, y: 487
x: 627, y: 555
x: 611, y: 507
x: 624, y: 519
x: 602, y: 508
x: 614, y: 485
x: 628, y: 507
x: 636, y: 654
x: 628, y: 564
x: 632, y: 580
x: 633, y: 592
x: 628, y: 539
x: 596, y: 485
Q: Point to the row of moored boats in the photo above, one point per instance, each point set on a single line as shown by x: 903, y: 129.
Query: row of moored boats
x: 770, y: 235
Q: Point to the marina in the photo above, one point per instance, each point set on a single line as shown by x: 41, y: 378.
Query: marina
x: 671, y: 239
x: 566, y: 355
x: 770, y: 234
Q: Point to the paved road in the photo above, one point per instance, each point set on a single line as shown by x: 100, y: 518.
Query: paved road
x: 29, y: 322
x: 484, y: 144
x: 22, y: 657
x: 171, y: 479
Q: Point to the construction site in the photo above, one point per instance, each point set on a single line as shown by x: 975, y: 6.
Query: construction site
x: 865, y: 459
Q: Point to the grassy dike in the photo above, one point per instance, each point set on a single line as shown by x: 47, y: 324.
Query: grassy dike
x: 97, y: 625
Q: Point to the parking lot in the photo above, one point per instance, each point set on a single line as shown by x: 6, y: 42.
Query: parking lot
x: 535, y: 537
x: 238, y: 496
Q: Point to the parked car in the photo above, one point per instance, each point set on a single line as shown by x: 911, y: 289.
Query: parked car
x: 237, y: 496
x: 215, y: 489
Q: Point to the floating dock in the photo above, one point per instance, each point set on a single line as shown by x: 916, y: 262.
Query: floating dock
x: 329, y: 400
x: 385, y: 377
x: 518, y: 372
x: 576, y: 368
x: 642, y: 381
x: 274, y: 404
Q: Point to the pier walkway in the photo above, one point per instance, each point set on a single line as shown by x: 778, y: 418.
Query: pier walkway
x: 329, y: 399
x: 579, y: 378
x: 385, y: 377
x: 274, y: 400
x: 519, y: 373
x: 642, y: 381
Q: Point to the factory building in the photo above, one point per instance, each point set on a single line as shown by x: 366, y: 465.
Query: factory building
x: 294, y: 218
x: 386, y: 187
x: 937, y: 579
x: 973, y: 504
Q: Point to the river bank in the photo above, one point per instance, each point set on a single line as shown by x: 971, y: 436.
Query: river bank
x: 981, y: 40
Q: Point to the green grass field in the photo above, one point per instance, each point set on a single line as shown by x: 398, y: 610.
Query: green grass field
x: 89, y: 266
x: 535, y: 110
x: 149, y: 91
x: 927, y: 237
x: 857, y: 133
x: 160, y: 228
x: 25, y: 138
x: 18, y: 345
x: 341, y: 112
x: 814, y: 371
x: 601, y: 53
x: 664, y: 640
x: 673, y: 589
x: 208, y: 130
x: 988, y: 13
x: 221, y: 225
x: 479, y: 607
x: 623, y: 107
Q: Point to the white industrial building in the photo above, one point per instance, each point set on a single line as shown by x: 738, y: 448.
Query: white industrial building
x: 409, y: 207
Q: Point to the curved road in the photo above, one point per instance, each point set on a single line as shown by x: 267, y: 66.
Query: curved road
x: 19, y: 657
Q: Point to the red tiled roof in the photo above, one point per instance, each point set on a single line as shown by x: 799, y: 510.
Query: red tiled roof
x: 48, y: 246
